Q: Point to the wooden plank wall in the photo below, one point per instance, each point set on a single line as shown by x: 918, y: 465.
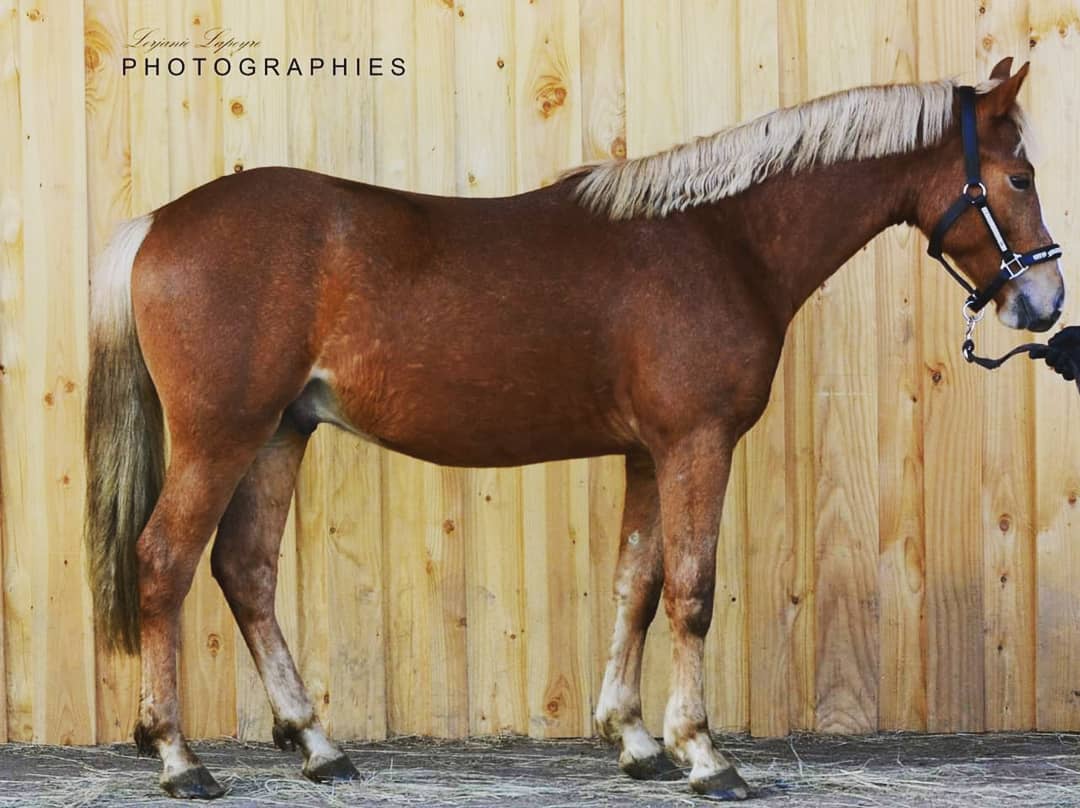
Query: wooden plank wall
x: 899, y: 546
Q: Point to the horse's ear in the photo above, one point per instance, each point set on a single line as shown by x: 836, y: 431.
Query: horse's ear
x: 1001, y: 69
x: 999, y: 101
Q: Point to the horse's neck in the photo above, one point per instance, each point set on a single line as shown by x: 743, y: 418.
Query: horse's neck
x: 807, y: 225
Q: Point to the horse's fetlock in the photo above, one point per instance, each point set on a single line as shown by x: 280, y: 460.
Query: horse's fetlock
x: 145, y: 741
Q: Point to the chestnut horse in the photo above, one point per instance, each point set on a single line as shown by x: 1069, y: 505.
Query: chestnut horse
x: 635, y: 307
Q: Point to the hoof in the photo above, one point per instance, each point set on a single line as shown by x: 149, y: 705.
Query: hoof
x: 195, y: 783
x: 284, y: 738
x: 655, y: 767
x: 724, y: 786
x: 330, y: 771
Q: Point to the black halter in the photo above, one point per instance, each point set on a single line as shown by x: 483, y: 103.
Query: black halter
x: 1013, y: 264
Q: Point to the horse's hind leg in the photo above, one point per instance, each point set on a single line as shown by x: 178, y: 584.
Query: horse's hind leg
x: 244, y: 562
x: 692, y: 477
x: 639, y: 576
x: 197, y: 487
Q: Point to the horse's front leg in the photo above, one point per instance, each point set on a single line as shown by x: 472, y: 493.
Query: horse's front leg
x: 692, y: 477
x: 639, y: 576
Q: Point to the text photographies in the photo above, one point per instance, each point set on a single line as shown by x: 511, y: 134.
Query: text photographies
x: 226, y: 55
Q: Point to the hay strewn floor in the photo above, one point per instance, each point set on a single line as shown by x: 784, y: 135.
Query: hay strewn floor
x: 907, y: 770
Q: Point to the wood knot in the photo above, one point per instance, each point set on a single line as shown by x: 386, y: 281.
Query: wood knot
x: 1004, y: 579
x: 1004, y: 523
x: 988, y: 43
x: 49, y: 399
x: 552, y: 708
x: 35, y: 15
x: 69, y: 386
x: 237, y: 108
x: 463, y: 622
x: 461, y: 12
x: 448, y: 526
x: 65, y: 480
x: 237, y: 168
x: 936, y: 377
x: 487, y: 498
x: 326, y: 698
x: 1072, y: 497
x: 213, y: 644
x: 794, y: 600
x: 92, y: 58
x: 550, y: 94
x: 499, y: 63
x: 471, y: 178
x: 618, y: 148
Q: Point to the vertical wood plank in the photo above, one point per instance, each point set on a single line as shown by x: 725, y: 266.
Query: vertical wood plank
x: 196, y: 156
x: 554, y: 495
x: 655, y: 111
x: 109, y: 184
x: 16, y: 698
x: 603, y: 132
x: 1055, y: 32
x: 1008, y: 522
x: 712, y: 65
x: 953, y: 421
x: 769, y: 570
x: 845, y: 428
x: 801, y: 479
x: 252, y: 111
x: 52, y: 99
x: 486, y: 64
x: 902, y: 671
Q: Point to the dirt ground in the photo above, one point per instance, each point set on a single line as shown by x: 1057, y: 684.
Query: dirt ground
x: 908, y: 770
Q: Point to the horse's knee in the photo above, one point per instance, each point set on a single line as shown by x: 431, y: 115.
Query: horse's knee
x: 691, y: 612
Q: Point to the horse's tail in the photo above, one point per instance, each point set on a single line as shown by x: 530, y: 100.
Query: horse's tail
x: 125, y: 451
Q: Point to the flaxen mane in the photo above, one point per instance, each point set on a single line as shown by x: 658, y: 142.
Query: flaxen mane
x: 858, y: 124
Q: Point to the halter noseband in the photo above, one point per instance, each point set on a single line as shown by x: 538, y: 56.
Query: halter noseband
x: 1013, y: 264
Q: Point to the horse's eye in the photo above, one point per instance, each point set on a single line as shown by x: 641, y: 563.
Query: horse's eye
x: 1020, y: 182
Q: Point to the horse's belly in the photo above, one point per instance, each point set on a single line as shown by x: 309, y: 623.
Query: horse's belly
x: 471, y: 423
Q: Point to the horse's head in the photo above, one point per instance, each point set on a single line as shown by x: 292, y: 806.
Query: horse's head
x: 1034, y: 298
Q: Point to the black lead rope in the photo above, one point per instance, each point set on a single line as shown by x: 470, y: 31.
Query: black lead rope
x: 1062, y: 352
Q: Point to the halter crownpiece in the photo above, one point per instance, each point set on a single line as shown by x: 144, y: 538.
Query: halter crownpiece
x: 1062, y: 352
x: 1013, y: 264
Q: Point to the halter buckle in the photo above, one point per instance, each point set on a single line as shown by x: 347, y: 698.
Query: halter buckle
x: 1014, y: 260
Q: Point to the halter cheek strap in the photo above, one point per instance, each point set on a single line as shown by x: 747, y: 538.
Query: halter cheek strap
x: 1013, y: 264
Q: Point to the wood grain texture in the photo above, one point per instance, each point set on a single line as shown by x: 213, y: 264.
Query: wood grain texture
x: 196, y: 155
x: 713, y: 64
x: 795, y: 607
x: 1008, y: 478
x: 486, y: 64
x: 252, y: 136
x: 53, y: 103
x: 845, y: 429
x: 110, y: 191
x: 555, y: 496
x: 15, y: 440
x: 953, y: 423
x: 901, y: 565
x: 1055, y: 34
x: 655, y: 120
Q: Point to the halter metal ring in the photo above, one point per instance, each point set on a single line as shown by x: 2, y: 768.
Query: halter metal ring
x: 971, y: 317
x: 969, y: 185
x: 1007, y: 265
